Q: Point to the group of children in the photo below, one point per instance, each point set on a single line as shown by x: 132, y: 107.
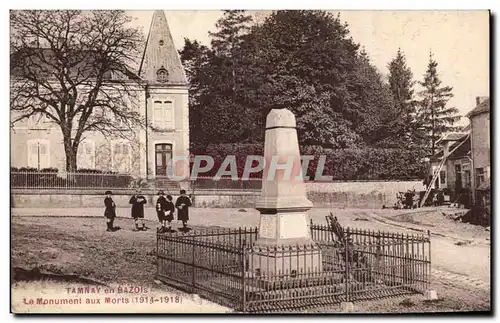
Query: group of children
x: 165, y: 209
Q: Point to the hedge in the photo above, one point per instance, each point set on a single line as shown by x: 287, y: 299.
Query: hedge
x: 341, y: 164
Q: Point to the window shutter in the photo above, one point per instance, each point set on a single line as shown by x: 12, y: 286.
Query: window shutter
x: 158, y: 114
x: 169, y: 114
x: 32, y: 154
x: 44, y: 156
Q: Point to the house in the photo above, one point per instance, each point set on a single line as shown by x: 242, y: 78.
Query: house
x: 162, y: 100
x: 480, y: 149
x: 455, y: 175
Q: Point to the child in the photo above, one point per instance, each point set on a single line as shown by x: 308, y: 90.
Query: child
x: 160, y: 210
x: 170, y: 209
x: 110, y: 211
x: 138, y: 202
x: 182, y: 204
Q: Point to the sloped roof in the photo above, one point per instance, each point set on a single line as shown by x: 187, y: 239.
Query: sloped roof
x: 480, y: 108
x: 160, y: 52
x: 453, y: 136
x: 462, y: 149
x: 42, y: 61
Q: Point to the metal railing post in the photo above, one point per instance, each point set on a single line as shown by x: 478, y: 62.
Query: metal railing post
x: 346, y: 247
x: 193, y: 278
x: 243, y: 281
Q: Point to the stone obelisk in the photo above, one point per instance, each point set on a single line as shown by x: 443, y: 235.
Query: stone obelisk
x: 283, y: 202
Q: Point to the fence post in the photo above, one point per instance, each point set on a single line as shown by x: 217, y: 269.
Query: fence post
x: 429, y: 277
x: 157, y: 255
x: 346, y: 247
x: 243, y: 281
x: 193, y: 278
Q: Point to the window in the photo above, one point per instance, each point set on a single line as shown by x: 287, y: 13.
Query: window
x: 38, y: 153
x: 122, y: 156
x: 163, y: 114
x: 161, y: 42
x: 162, y: 75
x: 86, y: 155
x: 466, y: 179
x: 480, y: 176
x: 442, y: 177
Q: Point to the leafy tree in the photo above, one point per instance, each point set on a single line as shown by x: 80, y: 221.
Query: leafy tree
x: 436, y: 116
x: 71, y: 67
x: 217, y: 75
x: 195, y: 59
x: 305, y: 59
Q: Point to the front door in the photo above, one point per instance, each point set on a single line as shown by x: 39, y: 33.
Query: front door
x: 163, y: 156
x: 458, y: 177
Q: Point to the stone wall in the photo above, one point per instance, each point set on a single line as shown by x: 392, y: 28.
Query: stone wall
x: 337, y: 194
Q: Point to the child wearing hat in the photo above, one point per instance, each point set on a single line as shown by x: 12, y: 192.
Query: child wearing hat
x: 182, y: 204
x: 138, y: 201
x: 109, y: 211
x: 169, y: 213
x: 160, y: 210
x: 165, y: 211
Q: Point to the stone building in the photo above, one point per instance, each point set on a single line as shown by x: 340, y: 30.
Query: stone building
x: 162, y: 99
x: 467, y: 153
x: 480, y: 147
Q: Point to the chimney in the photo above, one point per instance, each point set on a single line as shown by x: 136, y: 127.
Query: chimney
x: 480, y: 99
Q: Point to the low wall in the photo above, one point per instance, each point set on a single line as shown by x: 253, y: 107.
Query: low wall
x: 337, y: 194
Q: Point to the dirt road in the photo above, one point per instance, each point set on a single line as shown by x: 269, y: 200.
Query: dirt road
x: 459, y: 251
x: 81, y: 246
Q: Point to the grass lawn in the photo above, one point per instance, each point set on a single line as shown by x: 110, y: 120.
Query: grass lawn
x: 81, y: 246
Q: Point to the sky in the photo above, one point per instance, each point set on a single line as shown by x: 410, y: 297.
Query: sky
x: 459, y: 41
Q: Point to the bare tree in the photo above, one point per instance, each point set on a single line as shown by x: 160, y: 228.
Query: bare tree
x: 73, y: 68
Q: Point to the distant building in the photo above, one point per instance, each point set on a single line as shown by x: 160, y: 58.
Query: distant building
x: 163, y: 99
x: 480, y: 148
x: 467, y: 166
x: 455, y: 175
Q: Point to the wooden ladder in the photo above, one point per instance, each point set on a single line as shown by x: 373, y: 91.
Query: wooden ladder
x: 436, y: 174
x: 434, y: 177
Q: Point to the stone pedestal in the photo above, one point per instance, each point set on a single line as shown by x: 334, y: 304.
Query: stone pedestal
x: 283, y: 202
x: 288, y: 263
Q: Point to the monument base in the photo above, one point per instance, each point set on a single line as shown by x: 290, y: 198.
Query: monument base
x: 288, y: 261
x: 284, y: 245
x: 283, y: 227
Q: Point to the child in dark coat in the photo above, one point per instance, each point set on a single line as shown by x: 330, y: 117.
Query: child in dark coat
x: 165, y: 211
x: 109, y: 211
x: 160, y: 210
x: 169, y: 212
x: 182, y: 204
x: 138, y: 202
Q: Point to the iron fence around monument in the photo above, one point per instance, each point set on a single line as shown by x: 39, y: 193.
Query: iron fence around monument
x: 222, y: 265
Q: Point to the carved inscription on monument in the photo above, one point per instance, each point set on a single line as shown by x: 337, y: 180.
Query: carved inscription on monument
x: 267, y: 228
x: 293, y: 225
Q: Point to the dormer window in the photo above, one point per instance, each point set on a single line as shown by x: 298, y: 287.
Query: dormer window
x: 161, y: 42
x: 162, y: 75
